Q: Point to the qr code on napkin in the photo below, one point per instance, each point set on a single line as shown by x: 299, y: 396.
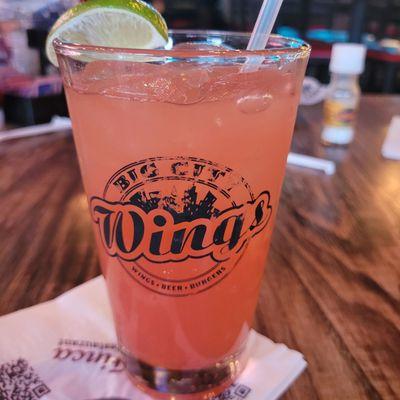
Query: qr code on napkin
x: 235, y: 392
x: 19, y: 381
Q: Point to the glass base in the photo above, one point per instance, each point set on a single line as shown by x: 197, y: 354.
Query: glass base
x: 197, y: 384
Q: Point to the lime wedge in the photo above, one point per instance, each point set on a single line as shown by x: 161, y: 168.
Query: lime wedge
x: 110, y: 23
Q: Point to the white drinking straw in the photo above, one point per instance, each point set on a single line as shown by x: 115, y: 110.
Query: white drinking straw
x: 319, y: 164
x: 57, y: 124
x: 265, y: 22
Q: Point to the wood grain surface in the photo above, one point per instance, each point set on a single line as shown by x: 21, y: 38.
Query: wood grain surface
x: 332, y: 285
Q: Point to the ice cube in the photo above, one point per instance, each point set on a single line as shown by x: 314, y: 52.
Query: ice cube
x: 254, y: 102
x: 189, y: 83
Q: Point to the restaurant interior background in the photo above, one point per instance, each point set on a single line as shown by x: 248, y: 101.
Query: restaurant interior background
x: 331, y: 290
x: 28, y: 97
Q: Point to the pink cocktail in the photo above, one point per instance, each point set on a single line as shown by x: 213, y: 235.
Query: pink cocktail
x: 183, y: 154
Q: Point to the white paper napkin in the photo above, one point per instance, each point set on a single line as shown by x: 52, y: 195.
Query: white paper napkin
x: 65, y: 349
x: 391, y: 147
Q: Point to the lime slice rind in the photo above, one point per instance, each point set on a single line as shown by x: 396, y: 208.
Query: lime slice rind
x: 110, y: 23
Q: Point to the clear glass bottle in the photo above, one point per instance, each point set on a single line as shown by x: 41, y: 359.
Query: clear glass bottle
x: 343, y: 96
x: 340, y: 109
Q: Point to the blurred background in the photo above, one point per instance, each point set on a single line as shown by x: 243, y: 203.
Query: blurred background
x: 26, y: 74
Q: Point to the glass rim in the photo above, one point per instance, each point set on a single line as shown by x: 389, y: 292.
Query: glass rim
x: 290, y: 46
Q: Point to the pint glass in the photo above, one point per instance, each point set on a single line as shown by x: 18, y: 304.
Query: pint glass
x: 182, y: 153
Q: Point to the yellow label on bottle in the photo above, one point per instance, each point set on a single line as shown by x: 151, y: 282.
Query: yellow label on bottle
x: 337, y: 113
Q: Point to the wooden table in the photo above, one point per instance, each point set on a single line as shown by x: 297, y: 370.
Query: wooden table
x: 332, y: 286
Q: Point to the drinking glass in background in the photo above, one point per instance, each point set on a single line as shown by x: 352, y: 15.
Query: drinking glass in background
x: 182, y: 153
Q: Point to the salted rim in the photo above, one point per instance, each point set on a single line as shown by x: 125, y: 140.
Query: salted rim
x: 289, y: 46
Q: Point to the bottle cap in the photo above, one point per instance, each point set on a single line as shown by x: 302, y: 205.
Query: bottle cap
x: 348, y: 58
